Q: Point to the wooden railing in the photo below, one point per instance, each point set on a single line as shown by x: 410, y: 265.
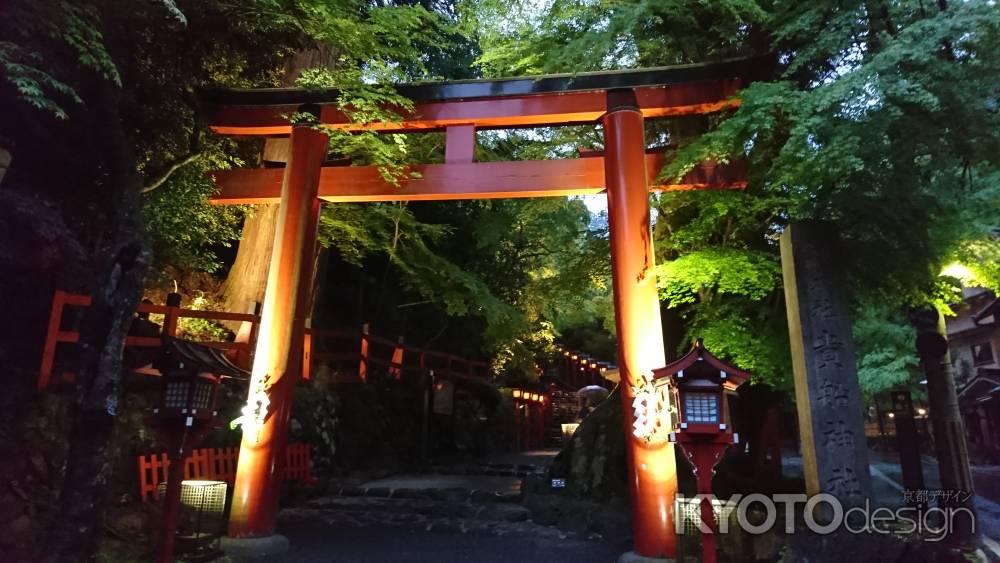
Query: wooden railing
x: 353, y: 354
x: 239, y: 349
x: 340, y: 350
x: 217, y: 464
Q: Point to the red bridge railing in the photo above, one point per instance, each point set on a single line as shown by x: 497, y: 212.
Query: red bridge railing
x: 353, y: 354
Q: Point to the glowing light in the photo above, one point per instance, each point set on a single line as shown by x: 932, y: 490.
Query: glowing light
x: 254, y: 412
x: 516, y: 393
x: 921, y: 412
x: 959, y: 271
x: 892, y: 415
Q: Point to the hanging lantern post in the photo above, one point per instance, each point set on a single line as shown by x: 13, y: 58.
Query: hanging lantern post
x: 703, y: 431
x: 184, y: 414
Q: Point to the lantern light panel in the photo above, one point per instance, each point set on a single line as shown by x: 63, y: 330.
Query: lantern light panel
x: 700, y: 407
x: 176, y: 394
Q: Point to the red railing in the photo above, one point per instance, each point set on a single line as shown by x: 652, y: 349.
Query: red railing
x: 340, y: 350
x: 217, y: 464
x: 354, y: 353
x: 239, y: 349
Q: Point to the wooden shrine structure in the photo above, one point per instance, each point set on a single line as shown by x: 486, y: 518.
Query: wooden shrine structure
x: 625, y: 171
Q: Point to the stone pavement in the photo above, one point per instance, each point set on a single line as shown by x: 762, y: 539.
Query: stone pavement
x: 459, y: 513
x: 317, y: 541
x: 473, y: 513
x: 887, y: 490
x: 987, y: 510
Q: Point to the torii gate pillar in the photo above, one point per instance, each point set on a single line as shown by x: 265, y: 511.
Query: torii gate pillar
x: 277, y: 363
x: 652, y: 469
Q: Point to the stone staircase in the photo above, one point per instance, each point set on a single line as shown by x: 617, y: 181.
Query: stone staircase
x: 466, y: 497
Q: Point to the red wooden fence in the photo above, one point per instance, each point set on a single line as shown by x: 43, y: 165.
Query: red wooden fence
x: 340, y: 349
x: 217, y: 464
x: 239, y: 349
x: 349, y: 352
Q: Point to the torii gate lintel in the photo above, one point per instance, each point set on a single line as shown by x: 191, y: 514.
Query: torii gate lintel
x: 468, y: 180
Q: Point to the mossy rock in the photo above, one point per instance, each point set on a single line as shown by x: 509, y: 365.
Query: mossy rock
x: 593, y: 463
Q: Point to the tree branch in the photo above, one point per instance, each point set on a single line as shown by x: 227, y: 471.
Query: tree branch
x: 949, y: 50
x: 194, y: 141
x: 162, y: 178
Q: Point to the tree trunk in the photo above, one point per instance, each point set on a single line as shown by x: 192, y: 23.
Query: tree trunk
x: 950, y: 439
x: 116, y: 293
x: 246, y: 280
x: 245, y: 283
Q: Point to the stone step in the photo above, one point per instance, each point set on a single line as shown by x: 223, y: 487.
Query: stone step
x: 419, y: 508
x: 451, y: 494
x: 498, y: 521
x: 493, y: 469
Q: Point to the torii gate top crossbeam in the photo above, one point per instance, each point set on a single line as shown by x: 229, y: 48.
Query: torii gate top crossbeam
x: 551, y: 100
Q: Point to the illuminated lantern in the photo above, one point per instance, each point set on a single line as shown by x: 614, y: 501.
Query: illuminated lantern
x: 516, y: 393
x: 701, y: 398
x: 184, y: 414
x: 701, y: 381
x: 187, y: 394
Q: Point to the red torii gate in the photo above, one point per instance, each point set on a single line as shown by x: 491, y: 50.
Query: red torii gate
x: 619, y: 100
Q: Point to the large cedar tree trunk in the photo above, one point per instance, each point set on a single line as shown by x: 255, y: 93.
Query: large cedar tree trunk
x: 244, y: 286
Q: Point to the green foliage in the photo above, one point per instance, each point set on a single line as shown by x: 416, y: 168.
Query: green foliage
x: 29, y: 28
x: 360, y: 230
x: 982, y: 257
x: 202, y: 329
x: 750, y: 336
x: 185, y: 231
x: 882, y: 121
x: 894, y: 145
x: 578, y: 35
x: 527, y: 267
x: 722, y: 271
x: 886, y: 354
x: 368, y: 68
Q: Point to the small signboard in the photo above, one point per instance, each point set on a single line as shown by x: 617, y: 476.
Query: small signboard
x: 444, y: 397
